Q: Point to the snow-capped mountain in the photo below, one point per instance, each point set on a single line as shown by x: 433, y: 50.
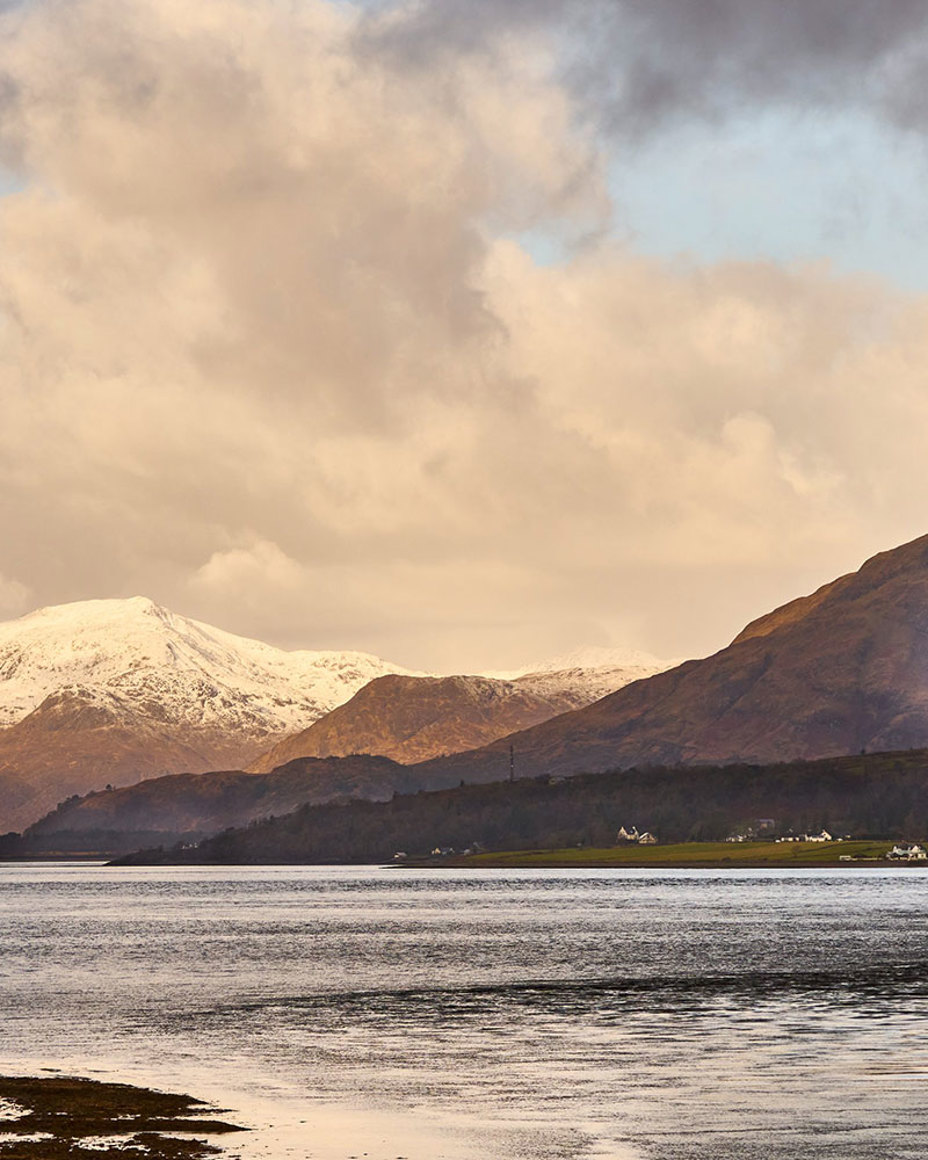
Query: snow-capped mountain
x: 115, y: 691
x: 412, y: 719
x: 156, y: 664
x: 585, y: 675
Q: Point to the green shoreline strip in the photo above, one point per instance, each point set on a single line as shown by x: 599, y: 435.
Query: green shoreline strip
x: 685, y: 855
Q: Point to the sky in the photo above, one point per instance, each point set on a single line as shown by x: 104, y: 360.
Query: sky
x: 464, y: 334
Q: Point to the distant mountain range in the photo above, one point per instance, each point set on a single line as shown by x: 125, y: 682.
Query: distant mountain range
x: 115, y: 691
x: 841, y: 671
x: 392, y: 715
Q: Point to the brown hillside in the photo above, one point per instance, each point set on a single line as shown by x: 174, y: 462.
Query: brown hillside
x: 76, y: 741
x: 841, y: 671
x: 213, y: 801
x: 786, y: 614
x: 411, y: 719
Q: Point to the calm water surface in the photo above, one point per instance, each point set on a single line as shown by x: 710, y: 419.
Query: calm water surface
x: 489, y: 1014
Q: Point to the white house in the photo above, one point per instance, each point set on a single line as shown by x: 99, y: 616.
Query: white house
x: 909, y: 852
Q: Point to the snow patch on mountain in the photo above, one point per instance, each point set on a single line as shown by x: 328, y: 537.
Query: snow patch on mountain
x: 585, y: 674
x: 172, y: 670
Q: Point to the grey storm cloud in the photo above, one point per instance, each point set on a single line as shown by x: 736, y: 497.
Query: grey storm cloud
x: 639, y: 65
x: 273, y: 352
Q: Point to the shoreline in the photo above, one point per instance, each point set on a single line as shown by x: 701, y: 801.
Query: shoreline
x: 760, y: 855
x: 714, y: 856
x: 527, y: 864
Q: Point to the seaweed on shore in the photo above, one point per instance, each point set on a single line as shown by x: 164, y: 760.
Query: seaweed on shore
x: 66, y: 1117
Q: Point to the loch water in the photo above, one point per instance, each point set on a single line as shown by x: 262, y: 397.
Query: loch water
x: 488, y: 1015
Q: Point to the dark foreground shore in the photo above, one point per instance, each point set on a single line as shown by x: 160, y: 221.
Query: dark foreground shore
x: 57, y: 1117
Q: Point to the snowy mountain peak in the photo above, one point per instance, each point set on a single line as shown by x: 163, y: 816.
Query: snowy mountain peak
x: 168, y: 670
x: 586, y: 674
x: 170, y: 667
x: 596, y: 657
x: 143, y: 604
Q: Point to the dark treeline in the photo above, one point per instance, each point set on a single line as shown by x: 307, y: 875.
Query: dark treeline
x: 878, y: 795
x: 87, y: 843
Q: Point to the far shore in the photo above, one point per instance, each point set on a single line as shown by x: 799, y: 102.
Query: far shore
x: 756, y: 855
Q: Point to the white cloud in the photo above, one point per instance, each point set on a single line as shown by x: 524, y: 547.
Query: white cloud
x: 261, y: 568
x: 14, y: 597
x: 264, y: 356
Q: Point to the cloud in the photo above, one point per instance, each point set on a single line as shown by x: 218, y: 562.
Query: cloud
x: 14, y: 597
x: 269, y: 351
x: 260, y: 568
x: 637, y: 66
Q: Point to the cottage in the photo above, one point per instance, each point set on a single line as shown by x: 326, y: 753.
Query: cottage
x: 908, y: 852
x: 647, y: 839
x: 627, y: 835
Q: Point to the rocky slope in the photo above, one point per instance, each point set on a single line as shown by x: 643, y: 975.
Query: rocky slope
x: 411, y: 719
x: 118, y: 690
x: 839, y: 671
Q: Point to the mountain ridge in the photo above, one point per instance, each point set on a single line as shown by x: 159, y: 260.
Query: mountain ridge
x: 202, y: 674
x: 413, y: 719
x: 116, y: 691
x: 877, y: 795
x: 841, y: 670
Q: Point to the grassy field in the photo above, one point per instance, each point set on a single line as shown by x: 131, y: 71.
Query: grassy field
x: 689, y: 854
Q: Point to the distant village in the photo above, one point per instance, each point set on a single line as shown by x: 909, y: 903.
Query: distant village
x: 763, y: 829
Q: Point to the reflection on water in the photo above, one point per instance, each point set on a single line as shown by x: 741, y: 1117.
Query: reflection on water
x: 490, y: 1014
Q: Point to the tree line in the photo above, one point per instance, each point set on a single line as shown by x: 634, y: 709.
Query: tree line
x: 876, y: 795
